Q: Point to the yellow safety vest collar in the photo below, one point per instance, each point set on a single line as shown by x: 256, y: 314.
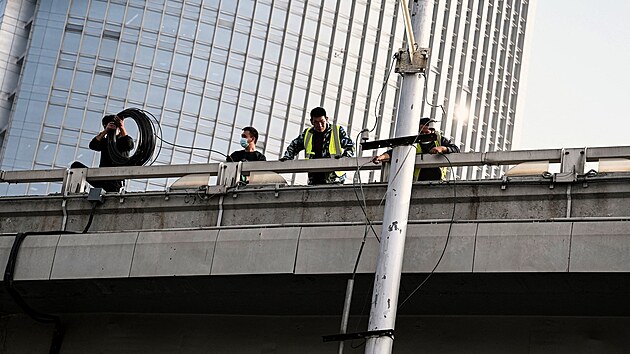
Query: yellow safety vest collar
x: 334, y: 146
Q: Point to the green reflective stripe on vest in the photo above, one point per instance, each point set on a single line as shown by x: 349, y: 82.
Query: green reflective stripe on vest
x: 416, y: 171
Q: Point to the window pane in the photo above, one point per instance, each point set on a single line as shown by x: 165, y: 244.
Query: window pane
x: 152, y: 20
x: 217, y: 72
x: 137, y: 91
x: 170, y: 24
x: 89, y: 45
x: 115, y: 13
x: 198, y: 68
x: 145, y: 55
x: 156, y: 95
x: 174, y: 99
x: 233, y: 77
x: 54, y: 115
x: 82, y: 81
x: 134, y: 16
x: 163, y: 59
x: 191, y: 104
x: 127, y: 52
x: 108, y: 48
x: 222, y: 37
x: 65, y: 155
x: 97, y: 10
x: 188, y: 29
x: 71, y: 42
x: 100, y: 84
x: 63, y: 78
x: 181, y: 63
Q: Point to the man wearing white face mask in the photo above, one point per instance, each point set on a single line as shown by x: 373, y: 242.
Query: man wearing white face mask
x: 249, y: 137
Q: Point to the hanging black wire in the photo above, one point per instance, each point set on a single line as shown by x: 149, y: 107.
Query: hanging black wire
x: 448, y: 235
x: 146, y: 139
x: 9, y: 273
x: 8, y: 281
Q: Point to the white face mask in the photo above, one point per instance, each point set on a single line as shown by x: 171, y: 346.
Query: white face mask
x: 244, y: 142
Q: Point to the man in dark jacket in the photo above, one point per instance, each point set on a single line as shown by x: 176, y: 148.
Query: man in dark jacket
x: 113, y: 128
x: 441, y: 145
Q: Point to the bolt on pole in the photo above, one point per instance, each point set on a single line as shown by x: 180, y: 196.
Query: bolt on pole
x: 389, y: 263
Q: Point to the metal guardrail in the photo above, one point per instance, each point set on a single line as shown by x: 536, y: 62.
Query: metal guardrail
x: 572, y: 161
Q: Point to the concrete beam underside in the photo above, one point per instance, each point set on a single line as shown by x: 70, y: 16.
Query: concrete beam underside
x: 138, y: 333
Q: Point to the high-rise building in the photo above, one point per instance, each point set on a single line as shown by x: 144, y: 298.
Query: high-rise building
x: 478, y: 65
x: 207, y: 68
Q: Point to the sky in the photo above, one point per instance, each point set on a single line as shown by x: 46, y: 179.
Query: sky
x: 577, y: 91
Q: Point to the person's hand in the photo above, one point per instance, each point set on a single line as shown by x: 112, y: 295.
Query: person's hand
x: 283, y: 159
x: 438, y: 150
x: 111, y: 126
x: 382, y: 157
x: 119, y: 122
x: 102, y: 134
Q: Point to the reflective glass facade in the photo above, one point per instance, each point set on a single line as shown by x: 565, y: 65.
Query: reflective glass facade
x: 207, y: 68
x: 479, y: 56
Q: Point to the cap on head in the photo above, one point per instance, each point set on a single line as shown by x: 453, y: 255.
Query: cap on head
x: 108, y: 119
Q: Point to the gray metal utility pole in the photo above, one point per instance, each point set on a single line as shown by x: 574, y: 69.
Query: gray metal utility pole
x: 390, y: 257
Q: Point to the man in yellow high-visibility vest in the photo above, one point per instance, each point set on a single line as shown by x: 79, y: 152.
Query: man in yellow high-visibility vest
x: 441, y: 145
x: 322, y: 140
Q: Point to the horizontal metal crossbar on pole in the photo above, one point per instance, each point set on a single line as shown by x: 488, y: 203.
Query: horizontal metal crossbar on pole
x: 405, y: 140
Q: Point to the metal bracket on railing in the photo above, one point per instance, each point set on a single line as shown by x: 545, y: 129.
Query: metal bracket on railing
x: 75, y: 181
x: 2, y: 172
x: 229, y: 174
x: 571, y: 165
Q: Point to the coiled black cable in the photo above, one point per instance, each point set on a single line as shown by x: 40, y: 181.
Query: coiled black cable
x: 145, y: 144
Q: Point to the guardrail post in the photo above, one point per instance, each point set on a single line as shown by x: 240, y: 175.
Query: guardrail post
x: 571, y: 165
x: 229, y: 174
x: 75, y: 181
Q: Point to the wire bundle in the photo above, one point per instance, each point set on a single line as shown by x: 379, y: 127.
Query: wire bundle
x: 146, y: 139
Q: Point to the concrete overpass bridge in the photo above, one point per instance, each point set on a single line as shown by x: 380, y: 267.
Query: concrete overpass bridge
x: 531, y: 263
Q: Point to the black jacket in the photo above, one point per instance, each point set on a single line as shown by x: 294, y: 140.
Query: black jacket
x: 124, y: 144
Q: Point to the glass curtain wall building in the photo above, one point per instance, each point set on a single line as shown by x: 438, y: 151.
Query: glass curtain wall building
x: 479, y: 61
x: 207, y: 68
